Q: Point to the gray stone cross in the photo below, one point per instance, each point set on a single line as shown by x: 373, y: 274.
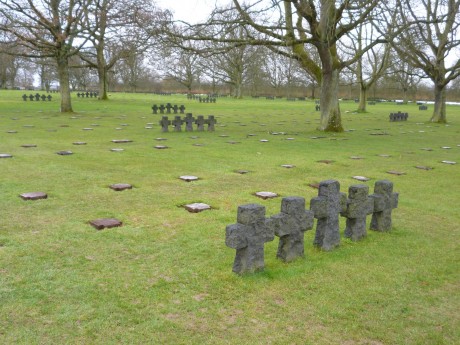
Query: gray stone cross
x: 200, y: 121
x: 290, y: 226
x: 189, y: 120
x: 165, y: 122
x: 177, y: 123
x: 248, y: 237
x: 359, y: 205
x: 326, y: 207
x: 211, y: 121
x: 384, y: 202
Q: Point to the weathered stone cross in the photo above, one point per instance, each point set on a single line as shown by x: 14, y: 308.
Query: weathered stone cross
x: 290, y: 226
x: 384, y: 202
x: 326, y: 207
x: 359, y: 205
x: 248, y: 237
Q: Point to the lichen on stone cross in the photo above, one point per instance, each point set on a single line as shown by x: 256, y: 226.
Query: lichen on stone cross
x: 248, y: 237
x: 359, y: 205
x: 326, y: 207
x: 290, y: 226
x: 384, y: 202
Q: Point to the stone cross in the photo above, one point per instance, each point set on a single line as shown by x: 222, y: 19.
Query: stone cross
x: 175, y: 108
x: 164, y: 123
x: 24, y: 97
x: 37, y: 96
x: 177, y: 123
x: 168, y: 108
x: 326, y: 207
x: 43, y: 97
x: 155, y: 109
x: 162, y: 109
x: 189, y: 120
x: 290, y: 226
x: 31, y: 97
x: 359, y: 205
x: 200, y: 121
x: 211, y: 121
x: 49, y: 97
x: 384, y: 202
x: 248, y: 237
x: 182, y: 109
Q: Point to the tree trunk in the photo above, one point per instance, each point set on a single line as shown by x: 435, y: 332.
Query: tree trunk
x: 331, y: 120
x: 64, y: 85
x: 362, y: 99
x: 439, y: 112
x: 103, y: 83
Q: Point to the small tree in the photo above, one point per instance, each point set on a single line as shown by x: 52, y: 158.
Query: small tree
x: 433, y: 34
x: 47, y: 30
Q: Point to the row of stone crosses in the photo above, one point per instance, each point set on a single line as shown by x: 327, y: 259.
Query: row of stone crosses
x: 252, y: 229
x: 394, y: 117
x: 168, y: 107
x: 37, y: 97
x: 189, y: 121
x: 88, y: 94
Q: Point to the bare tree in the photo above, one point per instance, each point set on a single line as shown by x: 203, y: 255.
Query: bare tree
x: 433, y: 35
x: 9, y: 67
x: 301, y: 26
x: 406, y: 77
x: 115, y: 28
x: 182, y: 65
x: 47, y: 29
x: 373, y: 63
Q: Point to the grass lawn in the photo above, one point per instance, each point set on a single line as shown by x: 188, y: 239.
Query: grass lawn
x: 165, y: 276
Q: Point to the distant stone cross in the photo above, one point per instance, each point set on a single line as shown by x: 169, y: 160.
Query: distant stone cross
x: 384, y: 202
x: 200, y: 121
x: 164, y: 123
x: 177, y: 123
x: 248, y: 237
x: 290, y: 226
x: 326, y: 207
x: 155, y: 108
x: 162, y: 109
x: 211, y: 121
x: 359, y: 205
x: 168, y: 108
x: 189, y: 120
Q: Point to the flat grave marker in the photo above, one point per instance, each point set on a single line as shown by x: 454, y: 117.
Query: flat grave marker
x: 65, y: 153
x: 266, y: 195
x: 361, y: 178
x: 188, y: 178
x: 118, y: 187
x: 197, y: 207
x: 33, y: 196
x: 105, y: 223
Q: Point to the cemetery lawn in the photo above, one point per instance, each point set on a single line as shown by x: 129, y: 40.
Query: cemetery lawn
x: 165, y: 276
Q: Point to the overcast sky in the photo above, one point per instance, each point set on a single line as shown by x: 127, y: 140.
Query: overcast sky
x: 190, y: 10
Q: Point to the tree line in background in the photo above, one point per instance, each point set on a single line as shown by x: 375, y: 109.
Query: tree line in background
x: 324, y: 49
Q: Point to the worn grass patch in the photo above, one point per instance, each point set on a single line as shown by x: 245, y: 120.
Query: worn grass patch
x: 165, y: 276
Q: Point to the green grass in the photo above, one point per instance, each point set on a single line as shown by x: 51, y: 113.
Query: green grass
x: 165, y: 277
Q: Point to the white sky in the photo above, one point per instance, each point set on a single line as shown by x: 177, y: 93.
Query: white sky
x: 190, y: 10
